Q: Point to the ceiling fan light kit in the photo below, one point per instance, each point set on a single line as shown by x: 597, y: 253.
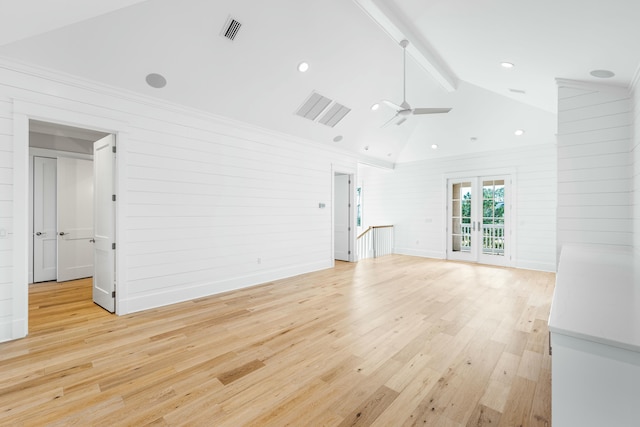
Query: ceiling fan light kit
x: 404, y: 110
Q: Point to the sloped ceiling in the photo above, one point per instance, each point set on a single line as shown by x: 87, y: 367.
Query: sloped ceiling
x: 353, y: 60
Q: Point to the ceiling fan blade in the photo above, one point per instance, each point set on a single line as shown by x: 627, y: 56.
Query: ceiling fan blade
x: 395, y: 116
x: 401, y: 121
x: 431, y: 110
x: 392, y: 105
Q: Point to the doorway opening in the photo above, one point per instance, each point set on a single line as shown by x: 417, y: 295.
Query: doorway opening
x: 342, y: 217
x: 72, y: 207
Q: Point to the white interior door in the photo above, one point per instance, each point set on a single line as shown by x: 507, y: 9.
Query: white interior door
x: 478, y: 219
x: 75, y: 218
x: 104, y: 223
x: 341, y: 217
x: 44, y: 219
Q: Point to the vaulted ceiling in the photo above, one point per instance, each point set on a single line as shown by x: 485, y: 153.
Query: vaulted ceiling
x: 352, y: 48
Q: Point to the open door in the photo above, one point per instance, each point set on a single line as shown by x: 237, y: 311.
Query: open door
x: 104, y: 223
x: 75, y: 218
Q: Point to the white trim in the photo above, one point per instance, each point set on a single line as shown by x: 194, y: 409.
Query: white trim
x: 353, y: 233
x: 187, y: 293
x: 591, y: 86
x: 420, y: 253
x: 23, y: 111
x: 510, y: 256
x: 536, y: 265
x: 46, y: 152
x: 20, y: 301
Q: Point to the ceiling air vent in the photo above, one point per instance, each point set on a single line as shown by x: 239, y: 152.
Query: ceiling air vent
x: 313, y: 106
x: 316, y: 104
x: 230, y: 29
x: 334, y: 115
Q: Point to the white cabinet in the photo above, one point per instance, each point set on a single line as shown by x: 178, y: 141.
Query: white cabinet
x: 595, y: 338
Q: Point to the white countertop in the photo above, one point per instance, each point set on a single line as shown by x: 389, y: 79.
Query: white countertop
x: 597, y: 295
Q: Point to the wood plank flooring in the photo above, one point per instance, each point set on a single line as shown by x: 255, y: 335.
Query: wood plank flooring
x: 392, y: 341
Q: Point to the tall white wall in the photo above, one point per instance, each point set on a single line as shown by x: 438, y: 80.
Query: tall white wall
x: 635, y: 185
x: 6, y: 220
x: 413, y: 196
x: 595, y: 169
x: 205, y: 205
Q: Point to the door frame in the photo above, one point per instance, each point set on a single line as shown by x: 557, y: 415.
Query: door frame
x: 511, y: 173
x: 350, y: 194
x: 352, y: 232
x: 23, y: 112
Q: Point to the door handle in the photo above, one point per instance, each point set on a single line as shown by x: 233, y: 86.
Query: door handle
x: 62, y: 233
x: 38, y: 233
x: 474, y: 226
x: 92, y: 240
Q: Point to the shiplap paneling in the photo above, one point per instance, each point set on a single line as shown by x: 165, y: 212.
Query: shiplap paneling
x: 411, y: 197
x: 594, y: 167
x: 635, y: 157
x: 205, y: 204
x: 6, y: 219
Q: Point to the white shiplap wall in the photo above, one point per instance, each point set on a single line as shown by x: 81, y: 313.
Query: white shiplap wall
x: 635, y: 156
x: 594, y: 165
x: 412, y: 198
x: 205, y: 204
x: 6, y: 213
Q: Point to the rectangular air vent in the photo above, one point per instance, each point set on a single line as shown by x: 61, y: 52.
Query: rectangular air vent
x: 313, y: 106
x: 334, y: 114
x: 316, y: 104
x: 231, y: 28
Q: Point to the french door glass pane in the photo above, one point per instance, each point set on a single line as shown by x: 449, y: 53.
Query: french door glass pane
x: 461, y: 217
x: 493, y: 217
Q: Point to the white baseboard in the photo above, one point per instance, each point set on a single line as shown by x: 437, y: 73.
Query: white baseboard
x: 535, y: 265
x: 523, y: 264
x: 420, y: 253
x: 11, y: 329
x: 159, y: 299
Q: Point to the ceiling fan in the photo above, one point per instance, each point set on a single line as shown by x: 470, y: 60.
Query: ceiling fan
x: 404, y: 110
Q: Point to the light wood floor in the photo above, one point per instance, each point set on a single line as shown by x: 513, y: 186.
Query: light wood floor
x: 389, y: 342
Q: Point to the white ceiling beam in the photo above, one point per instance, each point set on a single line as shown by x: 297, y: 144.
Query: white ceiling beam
x: 390, y: 20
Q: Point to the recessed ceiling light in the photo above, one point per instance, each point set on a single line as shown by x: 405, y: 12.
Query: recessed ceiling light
x: 602, y: 74
x: 156, y: 80
x: 337, y: 138
x: 375, y: 106
x: 507, y: 65
x: 366, y: 148
x: 519, y: 132
x: 434, y: 146
x: 388, y: 154
x: 303, y: 67
x: 473, y: 139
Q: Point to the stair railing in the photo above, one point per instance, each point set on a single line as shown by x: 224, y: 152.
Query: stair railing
x: 375, y: 241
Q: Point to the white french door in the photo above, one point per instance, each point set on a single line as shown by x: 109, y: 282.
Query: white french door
x: 479, y: 219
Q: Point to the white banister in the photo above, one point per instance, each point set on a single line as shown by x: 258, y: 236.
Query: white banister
x: 375, y: 241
